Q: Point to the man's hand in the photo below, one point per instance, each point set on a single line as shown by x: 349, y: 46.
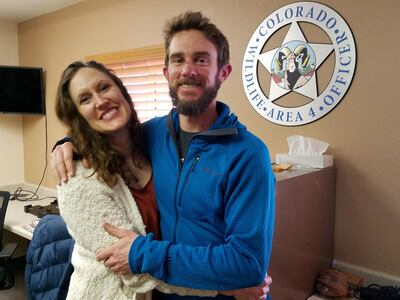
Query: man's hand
x: 61, y: 163
x: 253, y: 293
x: 115, y: 257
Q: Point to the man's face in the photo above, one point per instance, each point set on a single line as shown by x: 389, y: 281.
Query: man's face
x: 193, y: 74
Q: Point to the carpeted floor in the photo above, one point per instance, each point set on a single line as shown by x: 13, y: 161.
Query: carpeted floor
x: 18, y: 291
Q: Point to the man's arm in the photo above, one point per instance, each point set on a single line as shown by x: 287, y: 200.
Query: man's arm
x: 116, y: 258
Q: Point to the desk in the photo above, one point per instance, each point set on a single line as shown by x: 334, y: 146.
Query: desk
x: 16, y: 218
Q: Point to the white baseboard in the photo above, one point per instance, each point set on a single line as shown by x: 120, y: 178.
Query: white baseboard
x: 369, y: 276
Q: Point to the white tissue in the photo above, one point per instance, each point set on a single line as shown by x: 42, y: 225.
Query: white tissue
x: 301, y: 145
x: 305, y: 152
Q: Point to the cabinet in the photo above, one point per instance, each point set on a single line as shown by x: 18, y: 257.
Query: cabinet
x: 304, y: 231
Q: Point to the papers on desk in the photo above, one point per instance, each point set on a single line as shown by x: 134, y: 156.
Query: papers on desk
x: 31, y: 226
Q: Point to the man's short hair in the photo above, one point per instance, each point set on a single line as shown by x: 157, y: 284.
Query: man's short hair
x: 196, y: 20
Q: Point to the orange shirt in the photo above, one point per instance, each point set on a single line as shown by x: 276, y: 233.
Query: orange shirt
x: 147, y: 204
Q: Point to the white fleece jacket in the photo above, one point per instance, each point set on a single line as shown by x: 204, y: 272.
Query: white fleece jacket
x: 85, y: 202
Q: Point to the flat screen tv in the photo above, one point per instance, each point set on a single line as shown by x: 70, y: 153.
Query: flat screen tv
x: 22, y: 90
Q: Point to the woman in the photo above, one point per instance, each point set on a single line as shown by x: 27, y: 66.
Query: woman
x: 98, y: 111
x: 99, y: 114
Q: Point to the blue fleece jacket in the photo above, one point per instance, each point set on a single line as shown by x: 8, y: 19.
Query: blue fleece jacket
x: 216, y: 207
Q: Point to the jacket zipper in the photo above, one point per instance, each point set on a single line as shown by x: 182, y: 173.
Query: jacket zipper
x: 180, y: 164
x: 187, y: 178
x: 179, y: 202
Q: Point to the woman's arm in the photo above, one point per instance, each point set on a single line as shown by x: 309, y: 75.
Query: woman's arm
x: 85, y: 203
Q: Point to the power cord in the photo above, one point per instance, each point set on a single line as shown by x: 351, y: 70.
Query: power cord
x: 21, y: 194
x: 26, y: 195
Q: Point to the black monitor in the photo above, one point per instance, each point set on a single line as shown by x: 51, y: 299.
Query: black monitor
x: 22, y: 90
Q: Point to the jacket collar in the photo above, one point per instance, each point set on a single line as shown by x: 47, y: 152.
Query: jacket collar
x: 225, y: 125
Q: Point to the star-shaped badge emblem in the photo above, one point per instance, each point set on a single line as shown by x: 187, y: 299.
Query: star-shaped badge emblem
x: 293, y: 65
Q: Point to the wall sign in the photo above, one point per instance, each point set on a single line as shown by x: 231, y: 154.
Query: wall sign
x: 293, y: 66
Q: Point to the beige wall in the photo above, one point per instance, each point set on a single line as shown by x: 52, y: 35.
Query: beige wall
x: 362, y: 130
x: 11, y: 150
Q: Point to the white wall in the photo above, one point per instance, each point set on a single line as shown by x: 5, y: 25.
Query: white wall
x: 11, y: 137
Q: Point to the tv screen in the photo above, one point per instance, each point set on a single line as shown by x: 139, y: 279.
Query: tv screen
x: 22, y: 90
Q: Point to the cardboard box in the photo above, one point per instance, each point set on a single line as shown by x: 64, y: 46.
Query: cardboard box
x: 313, y: 161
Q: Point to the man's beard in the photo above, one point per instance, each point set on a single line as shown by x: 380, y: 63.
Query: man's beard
x: 194, y: 108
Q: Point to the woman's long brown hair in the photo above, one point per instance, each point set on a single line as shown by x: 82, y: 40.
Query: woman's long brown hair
x: 90, y: 144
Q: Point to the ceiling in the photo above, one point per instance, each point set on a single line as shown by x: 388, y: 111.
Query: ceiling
x: 17, y: 11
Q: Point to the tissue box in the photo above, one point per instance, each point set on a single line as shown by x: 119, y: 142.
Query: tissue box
x: 314, y: 161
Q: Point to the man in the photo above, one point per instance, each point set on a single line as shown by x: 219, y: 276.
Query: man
x: 213, y: 179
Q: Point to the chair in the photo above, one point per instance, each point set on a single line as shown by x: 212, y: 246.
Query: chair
x: 6, y: 276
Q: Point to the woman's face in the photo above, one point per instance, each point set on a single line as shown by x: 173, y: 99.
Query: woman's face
x: 99, y: 101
